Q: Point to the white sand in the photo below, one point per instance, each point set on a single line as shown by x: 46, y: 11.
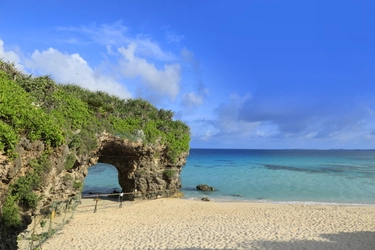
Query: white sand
x: 185, y: 224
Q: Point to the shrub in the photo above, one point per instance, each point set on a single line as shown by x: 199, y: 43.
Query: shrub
x: 11, y: 216
x: 18, y: 116
x: 23, y: 188
x: 77, y: 185
x: 169, y: 173
x: 69, y: 161
x: 43, y: 223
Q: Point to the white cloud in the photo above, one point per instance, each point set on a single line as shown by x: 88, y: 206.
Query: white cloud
x: 139, y: 56
x: 72, y: 68
x: 206, y: 136
x: 165, y: 82
x: 116, y: 35
x: 171, y: 37
x: 105, y: 34
x: 192, y: 99
x: 228, y: 123
x: 196, y: 98
x: 10, y: 56
x: 148, y: 48
x: 189, y: 57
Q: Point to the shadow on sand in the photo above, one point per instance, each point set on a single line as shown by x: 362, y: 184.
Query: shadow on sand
x: 340, y: 241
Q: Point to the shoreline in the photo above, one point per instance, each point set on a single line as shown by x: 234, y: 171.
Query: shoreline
x: 262, y: 201
x: 283, y: 202
x: 170, y: 223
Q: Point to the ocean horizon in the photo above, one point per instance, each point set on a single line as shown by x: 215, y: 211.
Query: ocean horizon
x: 329, y: 176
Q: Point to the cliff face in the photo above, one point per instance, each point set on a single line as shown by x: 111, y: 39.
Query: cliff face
x: 141, y: 168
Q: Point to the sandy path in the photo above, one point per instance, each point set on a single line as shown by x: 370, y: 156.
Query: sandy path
x: 185, y: 224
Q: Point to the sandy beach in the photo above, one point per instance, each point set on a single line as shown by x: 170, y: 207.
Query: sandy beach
x: 186, y: 224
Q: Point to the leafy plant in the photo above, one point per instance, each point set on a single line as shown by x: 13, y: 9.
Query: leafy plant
x: 23, y: 188
x: 43, y: 223
x: 19, y: 117
x: 11, y: 216
x: 169, y: 173
x: 77, y: 185
x: 21, y: 192
x: 69, y: 161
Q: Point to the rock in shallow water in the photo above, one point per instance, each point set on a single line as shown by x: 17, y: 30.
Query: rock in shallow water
x: 204, y: 187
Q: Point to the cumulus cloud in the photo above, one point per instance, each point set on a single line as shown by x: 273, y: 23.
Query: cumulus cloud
x: 228, y: 113
x: 198, y: 96
x: 146, y: 47
x: 136, y: 57
x: 289, y: 115
x: 320, y: 118
x: 263, y: 122
x: 297, y: 123
x: 117, y: 35
x: 10, y: 56
x: 192, y: 99
x: 195, y: 98
x: 72, y: 68
x: 164, y: 81
x: 225, y: 128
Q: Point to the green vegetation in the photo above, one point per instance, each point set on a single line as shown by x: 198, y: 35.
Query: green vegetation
x: 19, y: 117
x: 43, y: 223
x: 169, y: 173
x: 67, y: 177
x: 69, y: 162
x: 77, y: 185
x: 39, y: 109
x: 11, y: 216
x: 21, y: 195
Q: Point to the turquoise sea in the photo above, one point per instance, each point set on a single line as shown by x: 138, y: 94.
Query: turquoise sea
x: 281, y: 176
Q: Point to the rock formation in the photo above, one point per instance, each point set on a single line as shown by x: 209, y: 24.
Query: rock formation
x: 50, y: 134
x: 141, y: 168
x: 204, y: 187
x: 205, y: 199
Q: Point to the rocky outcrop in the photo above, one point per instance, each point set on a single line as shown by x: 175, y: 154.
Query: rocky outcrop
x: 142, y: 168
x: 204, y: 187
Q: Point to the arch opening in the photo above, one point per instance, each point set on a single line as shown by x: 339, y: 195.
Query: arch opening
x: 102, y: 178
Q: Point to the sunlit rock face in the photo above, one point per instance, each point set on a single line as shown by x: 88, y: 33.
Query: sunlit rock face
x: 141, y: 168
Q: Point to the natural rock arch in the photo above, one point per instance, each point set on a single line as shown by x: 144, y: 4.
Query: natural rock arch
x: 141, y: 168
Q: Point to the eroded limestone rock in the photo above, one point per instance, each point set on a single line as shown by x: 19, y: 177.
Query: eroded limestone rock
x: 142, y: 169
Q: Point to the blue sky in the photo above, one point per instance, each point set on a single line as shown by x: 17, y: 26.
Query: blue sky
x: 241, y: 74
